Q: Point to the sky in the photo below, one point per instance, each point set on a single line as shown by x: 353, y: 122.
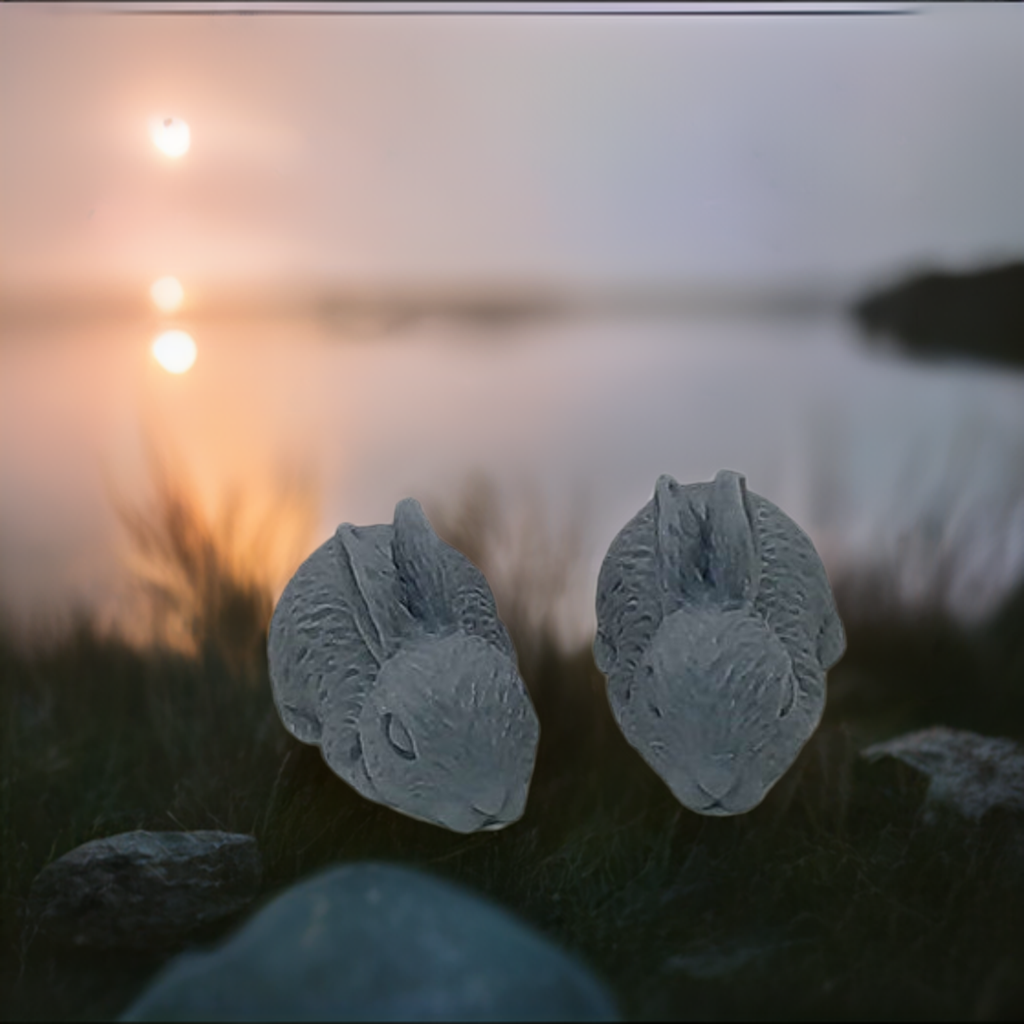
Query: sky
x: 479, y: 155
x: 419, y: 151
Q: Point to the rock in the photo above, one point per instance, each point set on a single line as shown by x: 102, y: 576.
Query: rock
x: 377, y: 942
x: 968, y: 773
x: 715, y: 626
x: 144, y: 889
x: 387, y: 653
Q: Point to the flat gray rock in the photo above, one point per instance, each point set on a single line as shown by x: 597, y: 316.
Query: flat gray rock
x: 144, y: 889
x: 377, y: 942
x: 968, y: 773
x: 715, y: 627
x: 386, y: 651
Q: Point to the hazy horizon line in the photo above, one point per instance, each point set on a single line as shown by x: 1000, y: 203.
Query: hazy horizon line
x: 495, y: 303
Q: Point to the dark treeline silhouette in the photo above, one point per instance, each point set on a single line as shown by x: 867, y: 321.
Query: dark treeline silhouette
x: 978, y: 315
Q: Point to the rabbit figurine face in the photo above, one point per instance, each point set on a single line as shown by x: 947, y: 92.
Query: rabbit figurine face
x: 715, y: 627
x: 441, y: 749
x: 709, y: 725
x: 386, y: 651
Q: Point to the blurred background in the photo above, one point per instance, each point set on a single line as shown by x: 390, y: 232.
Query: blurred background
x: 261, y: 275
x: 552, y: 256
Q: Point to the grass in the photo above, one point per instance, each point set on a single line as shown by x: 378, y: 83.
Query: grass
x: 832, y: 899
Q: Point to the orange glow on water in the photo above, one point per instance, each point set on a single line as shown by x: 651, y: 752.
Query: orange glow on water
x: 175, y: 351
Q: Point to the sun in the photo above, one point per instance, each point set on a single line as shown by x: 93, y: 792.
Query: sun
x: 170, y: 135
x: 167, y: 294
x: 175, y: 351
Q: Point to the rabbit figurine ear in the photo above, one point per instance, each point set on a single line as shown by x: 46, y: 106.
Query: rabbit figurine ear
x: 681, y: 545
x: 386, y: 651
x: 715, y: 627
x: 442, y: 587
x: 735, y: 561
x: 707, y: 549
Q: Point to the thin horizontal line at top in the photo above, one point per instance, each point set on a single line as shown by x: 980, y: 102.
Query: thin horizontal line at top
x: 463, y: 8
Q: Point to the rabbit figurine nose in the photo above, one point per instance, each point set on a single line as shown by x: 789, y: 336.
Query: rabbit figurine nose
x: 717, y: 776
x: 490, y: 801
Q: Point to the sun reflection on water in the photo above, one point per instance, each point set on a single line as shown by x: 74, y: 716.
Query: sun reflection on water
x: 175, y: 351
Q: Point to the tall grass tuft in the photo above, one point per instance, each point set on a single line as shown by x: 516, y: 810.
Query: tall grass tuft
x: 207, y: 580
x: 925, y: 644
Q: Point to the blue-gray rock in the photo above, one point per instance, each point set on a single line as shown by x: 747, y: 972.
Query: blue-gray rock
x: 386, y: 651
x: 968, y: 773
x: 377, y: 942
x: 144, y: 889
x: 715, y: 627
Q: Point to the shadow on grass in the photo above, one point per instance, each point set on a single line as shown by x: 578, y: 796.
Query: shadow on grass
x: 832, y: 899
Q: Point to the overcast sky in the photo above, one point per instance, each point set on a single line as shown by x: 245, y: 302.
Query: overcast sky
x: 397, y: 150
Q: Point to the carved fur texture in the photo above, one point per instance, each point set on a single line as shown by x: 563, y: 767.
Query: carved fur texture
x: 716, y: 625
x: 386, y: 651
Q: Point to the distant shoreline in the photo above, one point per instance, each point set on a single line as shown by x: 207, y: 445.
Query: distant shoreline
x: 978, y: 316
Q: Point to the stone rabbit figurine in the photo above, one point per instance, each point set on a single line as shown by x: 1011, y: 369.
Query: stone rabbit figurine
x: 386, y: 651
x: 716, y: 625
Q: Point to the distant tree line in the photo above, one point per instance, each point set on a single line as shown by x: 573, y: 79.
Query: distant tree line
x: 977, y: 315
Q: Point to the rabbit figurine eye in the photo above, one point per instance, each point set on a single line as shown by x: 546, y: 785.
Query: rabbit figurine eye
x: 398, y: 736
x: 386, y: 651
x: 716, y: 625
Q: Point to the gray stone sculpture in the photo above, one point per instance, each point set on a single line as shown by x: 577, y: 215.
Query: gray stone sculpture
x: 386, y: 651
x: 378, y: 942
x: 716, y: 625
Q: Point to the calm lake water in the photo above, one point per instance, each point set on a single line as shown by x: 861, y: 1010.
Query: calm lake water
x: 861, y: 447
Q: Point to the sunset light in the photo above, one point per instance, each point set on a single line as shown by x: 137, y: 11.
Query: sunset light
x: 170, y: 135
x: 175, y: 351
x: 167, y: 294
